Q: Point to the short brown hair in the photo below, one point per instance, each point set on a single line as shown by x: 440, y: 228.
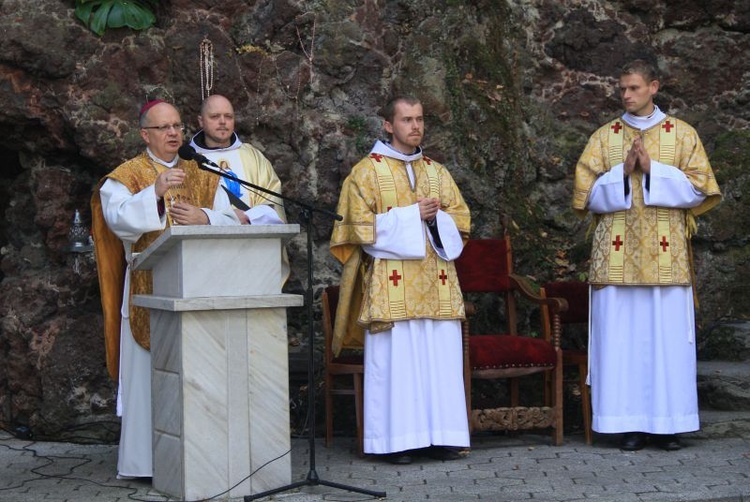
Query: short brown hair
x: 641, y: 67
x: 389, y: 110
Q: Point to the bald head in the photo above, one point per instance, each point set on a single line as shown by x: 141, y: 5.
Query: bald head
x: 217, y: 100
x: 217, y: 121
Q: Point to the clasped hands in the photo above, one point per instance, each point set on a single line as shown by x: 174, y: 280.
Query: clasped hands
x: 428, y: 208
x: 181, y: 212
x: 637, y: 158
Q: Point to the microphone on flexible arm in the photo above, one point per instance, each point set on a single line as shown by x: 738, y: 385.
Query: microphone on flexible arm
x: 187, y: 152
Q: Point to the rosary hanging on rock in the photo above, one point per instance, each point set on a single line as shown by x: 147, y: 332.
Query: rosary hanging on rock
x: 206, y: 67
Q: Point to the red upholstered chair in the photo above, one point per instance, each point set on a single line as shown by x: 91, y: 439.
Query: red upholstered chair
x: 346, y: 365
x: 576, y: 293
x: 486, y: 266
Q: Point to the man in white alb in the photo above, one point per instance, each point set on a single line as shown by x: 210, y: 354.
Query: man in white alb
x: 644, y: 176
x: 404, y: 222
x: 218, y: 141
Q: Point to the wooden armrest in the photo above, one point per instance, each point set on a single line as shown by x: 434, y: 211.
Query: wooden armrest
x: 520, y: 284
x: 469, y: 308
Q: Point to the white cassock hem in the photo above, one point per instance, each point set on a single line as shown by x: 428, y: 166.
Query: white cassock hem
x: 643, y: 369
x: 134, y: 458
x: 413, y: 387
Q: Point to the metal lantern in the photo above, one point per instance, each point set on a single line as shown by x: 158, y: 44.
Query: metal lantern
x: 79, y: 240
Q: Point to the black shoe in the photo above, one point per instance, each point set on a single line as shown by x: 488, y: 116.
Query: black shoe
x: 633, y: 441
x: 443, y: 453
x: 398, y: 458
x: 668, y: 442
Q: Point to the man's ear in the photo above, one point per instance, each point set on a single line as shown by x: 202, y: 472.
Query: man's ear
x: 654, y: 87
x: 388, y: 127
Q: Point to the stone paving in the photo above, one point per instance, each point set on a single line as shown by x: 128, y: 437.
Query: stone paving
x: 499, y: 468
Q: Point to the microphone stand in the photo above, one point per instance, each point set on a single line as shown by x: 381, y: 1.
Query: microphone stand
x: 306, y: 218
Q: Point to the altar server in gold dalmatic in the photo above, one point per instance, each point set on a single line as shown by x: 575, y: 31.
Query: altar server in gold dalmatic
x: 405, y: 221
x: 644, y: 176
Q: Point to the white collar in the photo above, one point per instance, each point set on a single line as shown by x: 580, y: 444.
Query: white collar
x: 386, y: 149
x: 646, y: 122
x: 160, y: 161
x: 234, y: 144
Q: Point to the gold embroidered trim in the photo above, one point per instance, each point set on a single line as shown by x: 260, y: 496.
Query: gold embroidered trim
x: 615, y: 143
x: 389, y: 198
x: 617, y: 248
x: 667, y: 140
x: 665, y: 238
x: 444, y: 290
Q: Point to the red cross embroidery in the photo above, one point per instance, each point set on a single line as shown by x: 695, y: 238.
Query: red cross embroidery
x: 617, y: 243
x: 427, y: 160
x: 442, y: 276
x: 376, y: 156
x: 616, y: 127
x: 668, y: 125
x: 664, y: 244
x: 395, y: 278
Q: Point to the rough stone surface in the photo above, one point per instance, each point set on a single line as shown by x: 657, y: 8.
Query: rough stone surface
x: 512, y: 91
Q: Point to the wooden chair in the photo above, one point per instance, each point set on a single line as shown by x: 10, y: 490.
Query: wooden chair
x: 576, y: 293
x: 486, y: 266
x: 347, y: 364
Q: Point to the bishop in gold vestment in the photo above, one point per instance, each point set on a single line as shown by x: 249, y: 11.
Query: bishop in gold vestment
x: 132, y: 206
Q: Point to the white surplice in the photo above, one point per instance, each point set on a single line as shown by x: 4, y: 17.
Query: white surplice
x: 642, y: 354
x: 129, y: 216
x: 413, y: 381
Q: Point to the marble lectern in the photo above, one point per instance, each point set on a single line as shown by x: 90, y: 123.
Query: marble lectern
x: 220, y: 381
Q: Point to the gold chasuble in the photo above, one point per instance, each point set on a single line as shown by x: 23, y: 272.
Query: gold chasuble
x: 645, y: 245
x: 376, y: 292
x: 136, y: 174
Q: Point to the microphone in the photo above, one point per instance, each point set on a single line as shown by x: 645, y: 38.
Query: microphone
x: 187, y: 152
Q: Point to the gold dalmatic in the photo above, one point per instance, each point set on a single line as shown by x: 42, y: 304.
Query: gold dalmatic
x: 644, y: 245
x: 394, y: 269
x: 392, y: 290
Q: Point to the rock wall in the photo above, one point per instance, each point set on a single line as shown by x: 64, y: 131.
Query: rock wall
x: 511, y: 89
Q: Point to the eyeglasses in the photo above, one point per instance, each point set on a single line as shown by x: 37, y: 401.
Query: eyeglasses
x: 167, y: 127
